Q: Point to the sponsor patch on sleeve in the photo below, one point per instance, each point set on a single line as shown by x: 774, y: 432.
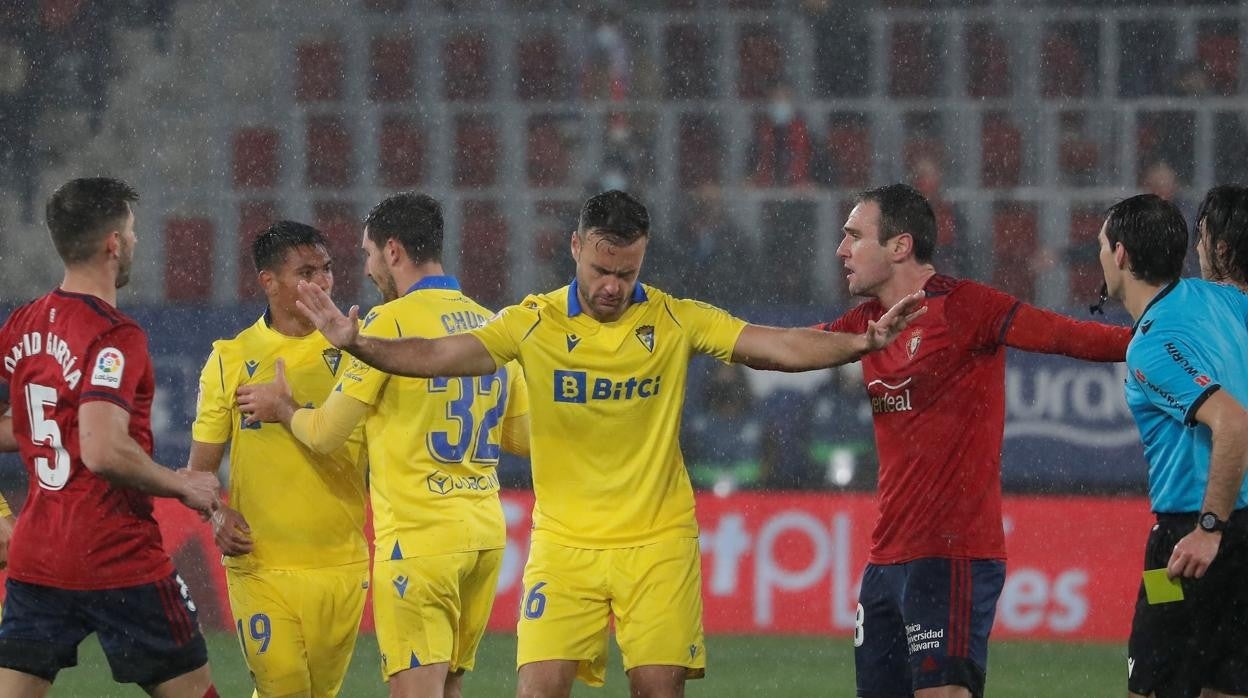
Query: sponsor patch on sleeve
x: 110, y: 364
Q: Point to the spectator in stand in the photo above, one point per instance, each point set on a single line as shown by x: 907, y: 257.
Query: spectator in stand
x: 704, y: 257
x: 724, y: 436
x: 17, y: 120
x: 606, y: 59
x: 1161, y: 180
x: 781, y: 153
x: 952, y: 253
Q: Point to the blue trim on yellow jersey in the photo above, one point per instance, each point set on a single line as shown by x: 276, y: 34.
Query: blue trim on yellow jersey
x: 442, y: 282
x: 574, y: 301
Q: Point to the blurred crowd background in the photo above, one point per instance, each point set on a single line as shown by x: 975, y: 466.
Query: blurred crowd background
x: 745, y: 125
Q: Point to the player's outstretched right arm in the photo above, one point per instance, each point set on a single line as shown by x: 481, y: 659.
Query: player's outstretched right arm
x: 456, y: 355
x: 108, y: 451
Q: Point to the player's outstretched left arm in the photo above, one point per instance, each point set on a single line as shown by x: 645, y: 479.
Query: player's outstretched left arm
x: 805, y: 349
x: 1228, y: 421
x: 456, y: 355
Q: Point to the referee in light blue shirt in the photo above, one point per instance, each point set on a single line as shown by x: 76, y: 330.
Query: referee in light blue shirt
x: 1187, y: 382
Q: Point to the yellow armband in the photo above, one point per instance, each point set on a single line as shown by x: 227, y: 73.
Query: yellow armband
x: 326, y: 428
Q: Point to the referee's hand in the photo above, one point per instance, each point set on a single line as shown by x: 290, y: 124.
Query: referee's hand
x: 1193, y: 554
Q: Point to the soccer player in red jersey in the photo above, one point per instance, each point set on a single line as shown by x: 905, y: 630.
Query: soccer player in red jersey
x: 937, y: 561
x: 86, y: 554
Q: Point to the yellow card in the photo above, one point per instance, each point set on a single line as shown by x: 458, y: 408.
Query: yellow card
x: 1161, y: 589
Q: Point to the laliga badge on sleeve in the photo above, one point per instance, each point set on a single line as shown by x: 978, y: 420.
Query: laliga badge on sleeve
x: 1159, y: 588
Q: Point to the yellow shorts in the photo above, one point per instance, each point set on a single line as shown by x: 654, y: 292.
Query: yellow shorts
x: 654, y: 592
x: 433, y: 609
x: 298, y: 627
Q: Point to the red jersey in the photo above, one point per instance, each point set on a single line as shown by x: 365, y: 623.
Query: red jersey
x: 938, y: 398
x: 76, y: 530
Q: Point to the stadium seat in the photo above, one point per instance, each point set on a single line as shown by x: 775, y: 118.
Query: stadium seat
x: 849, y: 147
x: 1084, y: 270
x: 340, y: 224
x: 700, y: 151
x: 400, y: 152
x: 253, y: 217
x: 1014, y: 236
x: 1063, y: 73
x: 761, y: 65
x: 541, y: 72
x: 688, y: 66
x: 391, y: 66
x: 329, y: 162
x: 466, y: 67
x: 1001, y: 154
x: 547, y: 160
x: 913, y: 69
x: 1219, y: 56
x: 477, y: 151
x: 484, y: 259
x: 987, y: 62
x: 188, y: 259
x: 320, y: 71
x: 255, y: 162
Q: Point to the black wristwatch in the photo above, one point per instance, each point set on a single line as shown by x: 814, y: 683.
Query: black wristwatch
x: 1210, y: 523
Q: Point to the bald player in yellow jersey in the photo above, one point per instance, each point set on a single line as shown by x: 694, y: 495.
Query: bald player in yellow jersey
x: 614, y: 528
x: 433, y: 448
x: 293, y: 536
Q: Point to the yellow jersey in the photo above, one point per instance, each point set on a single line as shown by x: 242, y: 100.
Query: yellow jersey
x: 433, y: 443
x: 305, y: 510
x: 607, y: 467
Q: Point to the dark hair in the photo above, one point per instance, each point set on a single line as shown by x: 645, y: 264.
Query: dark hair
x: 268, y: 249
x: 904, y: 210
x: 616, y: 216
x: 82, y: 211
x: 1225, y: 215
x: 1154, y: 234
x: 415, y: 220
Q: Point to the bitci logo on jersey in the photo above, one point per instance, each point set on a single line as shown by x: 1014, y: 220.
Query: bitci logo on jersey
x: 574, y: 386
x: 110, y: 364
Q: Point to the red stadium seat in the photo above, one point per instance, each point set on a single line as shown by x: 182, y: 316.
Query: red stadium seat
x: 328, y: 153
x: 1219, y: 55
x: 338, y: 221
x: 188, y: 259
x: 483, y: 258
x: 761, y: 64
x: 913, y: 69
x: 253, y: 217
x: 400, y: 152
x: 255, y: 158
x: 541, y: 73
x: 391, y: 66
x: 1063, y: 73
x: 477, y: 151
x: 1002, y: 152
x: 547, y: 160
x: 466, y: 67
x: 1085, y: 275
x: 700, y: 151
x: 849, y: 147
x: 688, y: 66
x: 1014, y: 237
x: 987, y: 62
x: 320, y: 71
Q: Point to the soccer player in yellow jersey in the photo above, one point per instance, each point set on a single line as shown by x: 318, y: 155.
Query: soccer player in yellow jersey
x: 614, y: 532
x: 293, y: 535
x: 433, y: 445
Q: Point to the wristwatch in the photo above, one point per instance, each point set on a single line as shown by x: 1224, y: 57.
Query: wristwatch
x: 1210, y: 523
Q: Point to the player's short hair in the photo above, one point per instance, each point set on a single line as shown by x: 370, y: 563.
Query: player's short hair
x: 82, y: 211
x: 269, y: 248
x: 413, y: 219
x: 616, y: 216
x: 1154, y: 234
x: 904, y: 210
x: 1224, y: 213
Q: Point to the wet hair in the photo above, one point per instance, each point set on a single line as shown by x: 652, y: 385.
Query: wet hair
x: 1225, y: 215
x: 414, y: 220
x: 82, y: 211
x: 904, y: 210
x: 616, y: 216
x: 268, y: 249
x: 1154, y: 234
